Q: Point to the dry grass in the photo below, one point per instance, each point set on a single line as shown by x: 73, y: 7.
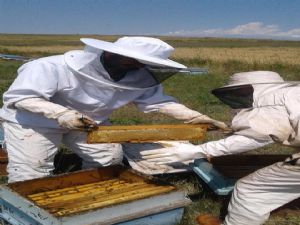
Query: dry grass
x: 42, y: 45
x: 261, y: 55
x: 267, y: 55
x: 32, y: 50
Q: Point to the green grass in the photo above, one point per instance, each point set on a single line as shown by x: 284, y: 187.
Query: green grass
x: 193, y: 91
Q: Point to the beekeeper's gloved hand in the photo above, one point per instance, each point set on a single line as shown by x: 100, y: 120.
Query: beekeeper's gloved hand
x: 181, y: 112
x: 207, y: 119
x: 66, y: 118
x: 72, y: 119
x: 173, y: 152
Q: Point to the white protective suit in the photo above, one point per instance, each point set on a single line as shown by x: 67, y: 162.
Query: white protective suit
x: 77, y: 82
x: 275, y: 116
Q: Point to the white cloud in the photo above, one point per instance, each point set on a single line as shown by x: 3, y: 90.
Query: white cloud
x: 294, y: 33
x: 250, y: 30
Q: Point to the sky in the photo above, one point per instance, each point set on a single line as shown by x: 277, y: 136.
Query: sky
x: 274, y: 19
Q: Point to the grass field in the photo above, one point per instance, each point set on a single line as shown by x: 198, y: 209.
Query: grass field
x: 221, y: 56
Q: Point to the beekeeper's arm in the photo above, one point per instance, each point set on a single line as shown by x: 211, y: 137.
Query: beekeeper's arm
x: 179, y: 152
x: 155, y: 101
x: 35, y: 84
x: 292, y: 105
x: 66, y: 118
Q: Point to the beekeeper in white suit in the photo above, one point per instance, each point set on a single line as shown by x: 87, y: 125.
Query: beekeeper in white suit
x: 54, y: 98
x: 269, y: 112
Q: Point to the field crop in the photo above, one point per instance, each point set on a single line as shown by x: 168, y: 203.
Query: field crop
x: 222, y: 57
x: 251, y: 55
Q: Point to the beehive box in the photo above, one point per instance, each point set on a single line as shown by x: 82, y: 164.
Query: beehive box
x: 111, y: 195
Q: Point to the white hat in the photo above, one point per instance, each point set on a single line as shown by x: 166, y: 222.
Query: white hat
x: 254, y: 77
x: 147, y: 50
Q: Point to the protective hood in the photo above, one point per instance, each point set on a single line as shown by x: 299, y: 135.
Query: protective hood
x: 268, y: 118
x: 237, y: 97
x: 88, y: 66
x: 243, y: 89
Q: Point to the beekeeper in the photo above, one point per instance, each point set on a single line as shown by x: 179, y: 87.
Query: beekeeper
x: 269, y: 111
x: 53, y: 99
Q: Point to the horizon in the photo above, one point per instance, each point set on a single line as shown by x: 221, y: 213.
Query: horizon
x: 161, y: 36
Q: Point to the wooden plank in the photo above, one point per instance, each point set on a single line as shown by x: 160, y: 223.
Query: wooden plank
x: 238, y: 166
x: 29, y: 187
x: 3, y: 162
x: 146, y: 133
x: 3, y: 156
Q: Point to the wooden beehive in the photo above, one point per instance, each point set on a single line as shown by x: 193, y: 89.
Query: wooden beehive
x: 146, y: 133
x: 99, y: 195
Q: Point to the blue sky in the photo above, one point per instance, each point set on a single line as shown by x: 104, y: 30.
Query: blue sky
x: 278, y: 19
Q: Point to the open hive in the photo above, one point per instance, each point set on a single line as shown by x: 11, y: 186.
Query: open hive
x: 100, y: 196
x: 110, y: 189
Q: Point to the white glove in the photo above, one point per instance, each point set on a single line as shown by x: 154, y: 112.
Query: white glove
x: 177, y: 152
x: 72, y: 119
x: 181, y: 112
x: 66, y: 118
x: 207, y: 119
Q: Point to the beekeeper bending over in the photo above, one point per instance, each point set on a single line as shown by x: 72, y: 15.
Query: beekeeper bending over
x: 54, y: 98
x: 269, y: 112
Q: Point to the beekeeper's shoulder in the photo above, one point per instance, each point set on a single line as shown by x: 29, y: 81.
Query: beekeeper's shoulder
x: 50, y: 62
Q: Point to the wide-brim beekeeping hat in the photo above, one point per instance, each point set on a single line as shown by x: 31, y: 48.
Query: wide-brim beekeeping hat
x: 147, y: 50
x: 256, y: 77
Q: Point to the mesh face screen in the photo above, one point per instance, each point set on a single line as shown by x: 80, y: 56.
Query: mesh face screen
x: 160, y: 74
x: 236, y: 97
